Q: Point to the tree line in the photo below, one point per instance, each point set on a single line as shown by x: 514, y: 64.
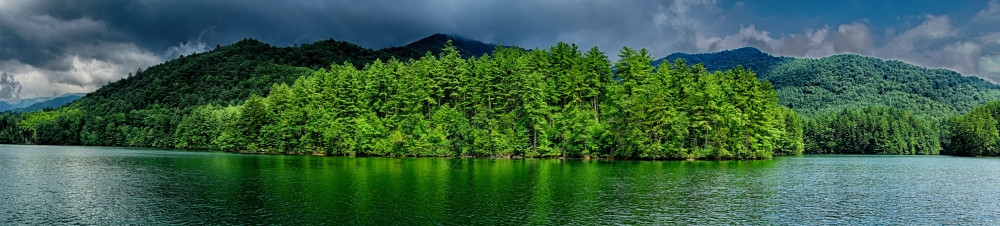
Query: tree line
x: 854, y: 104
x: 976, y: 133
x: 556, y: 102
x: 872, y: 130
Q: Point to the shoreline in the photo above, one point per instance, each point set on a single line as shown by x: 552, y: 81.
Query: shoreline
x: 515, y: 157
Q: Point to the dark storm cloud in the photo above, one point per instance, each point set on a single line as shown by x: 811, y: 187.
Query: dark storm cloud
x: 376, y: 24
x: 76, y: 46
x: 58, y: 46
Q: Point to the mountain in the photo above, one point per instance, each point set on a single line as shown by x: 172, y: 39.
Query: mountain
x: 226, y: 75
x: 231, y: 74
x: 466, y: 47
x: 748, y: 57
x: 51, y: 103
x: 202, y: 91
x: 7, y: 105
x: 836, y: 82
x: 143, y: 108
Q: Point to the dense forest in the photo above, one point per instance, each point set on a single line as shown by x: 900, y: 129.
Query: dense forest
x: 558, y: 102
x: 145, y: 107
x: 333, y: 97
x: 976, y: 133
x: 854, y: 104
x: 872, y: 130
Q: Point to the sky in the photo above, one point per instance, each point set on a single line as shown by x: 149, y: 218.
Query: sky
x: 52, y: 47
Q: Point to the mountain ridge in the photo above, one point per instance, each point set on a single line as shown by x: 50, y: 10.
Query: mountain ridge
x: 849, y: 81
x: 466, y: 47
x: 51, y: 102
x: 144, y: 109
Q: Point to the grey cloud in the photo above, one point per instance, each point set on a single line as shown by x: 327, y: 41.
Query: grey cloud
x: 989, y: 66
x: 47, y: 30
x: 747, y: 36
x: 937, y: 43
x: 9, y: 87
x: 196, y: 45
x: 77, y: 46
x: 935, y: 27
x: 81, y: 45
x: 853, y: 38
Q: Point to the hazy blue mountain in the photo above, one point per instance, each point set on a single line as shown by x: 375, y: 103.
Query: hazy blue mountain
x: 7, y: 105
x: 52, y: 103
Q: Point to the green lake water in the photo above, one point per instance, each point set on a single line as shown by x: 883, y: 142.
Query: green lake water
x: 98, y: 185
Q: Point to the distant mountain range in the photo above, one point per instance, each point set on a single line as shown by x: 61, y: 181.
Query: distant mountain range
x: 230, y: 74
x: 146, y: 108
x: 54, y: 102
x: 39, y: 103
x: 847, y: 80
x: 233, y: 73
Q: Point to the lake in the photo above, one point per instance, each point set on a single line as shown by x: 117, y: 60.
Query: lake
x: 99, y: 185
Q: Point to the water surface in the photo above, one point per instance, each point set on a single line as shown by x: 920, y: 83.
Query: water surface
x: 98, y: 185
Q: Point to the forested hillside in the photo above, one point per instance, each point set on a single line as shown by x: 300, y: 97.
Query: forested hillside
x: 333, y: 97
x: 831, y: 84
x: 873, y: 130
x: 748, y: 57
x: 252, y: 97
x: 863, y: 105
x: 544, y: 103
x: 976, y: 133
x: 144, y: 108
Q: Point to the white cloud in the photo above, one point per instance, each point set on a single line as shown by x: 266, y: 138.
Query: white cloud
x: 678, y: 25
x: 746, y: 36
x: 934, y: 43
x: 962, y: 56
x: 65, y: 55
x: 195, y: 45
x: 87, y: 68
x: 990, y: 12
x: 812, y: 43
x: 185, y: 48
x: 989, y: 67
x: 992, y: 38
x: 935, y: 27
x: 10, y: 88
x: 853, y: 38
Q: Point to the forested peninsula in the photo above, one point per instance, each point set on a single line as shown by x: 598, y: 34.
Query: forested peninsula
x: 335, y: 98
